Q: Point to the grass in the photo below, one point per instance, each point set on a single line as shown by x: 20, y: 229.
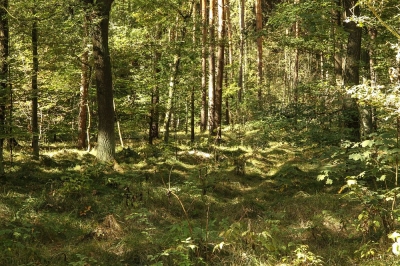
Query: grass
x: 179, y: 205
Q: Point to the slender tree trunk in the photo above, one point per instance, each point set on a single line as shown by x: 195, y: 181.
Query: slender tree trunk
x: 220, y: 68
x: 203, y: 111
x: 35, y: 70
x: 84, y: 90
x: 229, y: 33
x: 192, y: 111
x: 4, y: 52
x: 155, y: 97
x: 170, y: 100
x: 103, y: 74
x: 366, y: 127
x: 196, y: 10
x: 373, y: 33
x: 351, y: 115
x: 121, y: 140
x: 211, y: 70
x: 241, y: 50
x: 296, y: 68
x: 337, y: 46
x: 259, y: 27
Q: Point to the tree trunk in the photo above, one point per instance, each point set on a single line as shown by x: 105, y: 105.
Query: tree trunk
x: 229, y: 33
x: 203, y: 111
x: 4, y: 52
x: 351, y: 115
x: 192, y: 93
x: 103, y: 75
x: 192, y: 109
x: 337, y: 46
x: 170, y: 101
x: 296, y: 68
x: 35, y: 70
x: 241, y: 50
x: 155, y: 97
x: 84, y: 90
x: 211, y: 70
x: 220, y: 69
x: 373, y: 32
x: 366, y: 127
x: 259, y: 27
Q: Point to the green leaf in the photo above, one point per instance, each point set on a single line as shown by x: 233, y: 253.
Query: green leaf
x: 355, y: 156
x: 367, y: 143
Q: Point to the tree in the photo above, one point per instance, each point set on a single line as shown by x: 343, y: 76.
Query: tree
x: 83, y: 138
x: 351, y: 116
x: 103, y: 76
x: 241, y: 50
x: 203, y: 112
x: 4, y: 36
x: 35, y: 70
x: 211, y: 69
x: 155, y: 94
x: 259, y: 27
x: 220, y: 69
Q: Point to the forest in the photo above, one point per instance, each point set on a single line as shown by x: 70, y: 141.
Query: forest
x: 199, y: 132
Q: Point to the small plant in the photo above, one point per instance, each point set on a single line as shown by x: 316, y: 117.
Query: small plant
x: 83, y: 261
x: 302, y: 256
x: 395, y: 236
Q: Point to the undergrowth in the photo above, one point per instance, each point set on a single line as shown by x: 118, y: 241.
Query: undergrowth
x: 247, y: 201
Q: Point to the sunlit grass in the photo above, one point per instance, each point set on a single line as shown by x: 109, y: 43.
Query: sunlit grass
x: 182, y: 200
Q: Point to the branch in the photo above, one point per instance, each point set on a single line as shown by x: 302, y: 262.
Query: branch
x: 388, y: 27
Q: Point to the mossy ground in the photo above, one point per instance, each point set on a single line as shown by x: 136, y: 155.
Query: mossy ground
x: 242, y: 202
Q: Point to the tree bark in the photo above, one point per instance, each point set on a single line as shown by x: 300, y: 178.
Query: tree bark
x: 296, y: 68
x: 211, y: 70
x: 220, y: 69
x: 171, y: 91
x: 337, y: 46
x: 84, y: 90
x: 4, y: 52
x: 103, y: 76
x: 35, y: 70
x: 203, y: 111
x: 229, y: 33
x: 155, y: 97
x: 259, y: 27
x: 241, y: 50
x: 373, y: 33
x: 351, y: 116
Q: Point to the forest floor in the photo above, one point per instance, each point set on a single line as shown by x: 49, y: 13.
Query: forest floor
x: 254, y: 199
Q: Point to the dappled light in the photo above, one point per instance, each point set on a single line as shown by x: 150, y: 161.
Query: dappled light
x: 199, y: 132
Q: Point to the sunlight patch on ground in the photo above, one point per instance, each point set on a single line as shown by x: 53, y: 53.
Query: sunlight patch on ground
x: 4, y: 211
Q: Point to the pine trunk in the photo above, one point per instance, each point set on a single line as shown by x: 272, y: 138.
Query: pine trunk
x: 220, y: 69
x: 259, y: 27
x: 211, y: 70
x: 241, y: 50
x: 203, y: 111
